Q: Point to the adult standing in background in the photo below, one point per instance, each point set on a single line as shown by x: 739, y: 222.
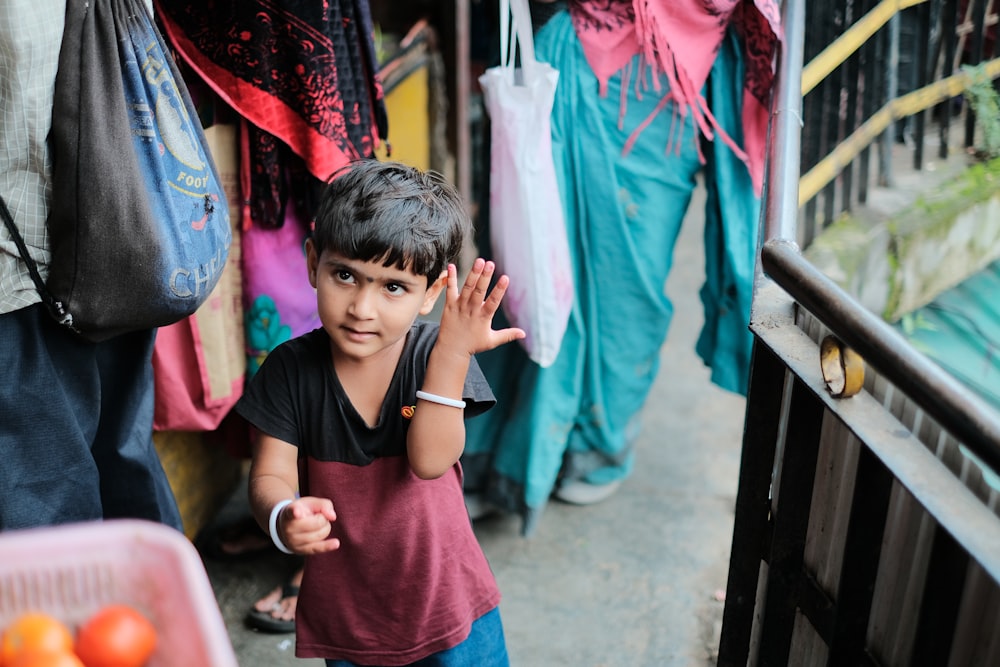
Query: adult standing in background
x: 649, y: 93
x: 76, y: 418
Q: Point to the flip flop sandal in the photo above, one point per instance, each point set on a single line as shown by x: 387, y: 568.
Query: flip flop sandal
x: 265, y: 622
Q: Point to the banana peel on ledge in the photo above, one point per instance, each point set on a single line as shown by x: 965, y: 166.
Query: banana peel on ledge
x: 843, y: 368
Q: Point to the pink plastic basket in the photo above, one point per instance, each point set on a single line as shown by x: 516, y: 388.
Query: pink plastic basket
x: 73, y: 570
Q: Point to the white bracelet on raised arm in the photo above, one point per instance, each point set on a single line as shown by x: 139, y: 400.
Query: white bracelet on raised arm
x: 440, y: 400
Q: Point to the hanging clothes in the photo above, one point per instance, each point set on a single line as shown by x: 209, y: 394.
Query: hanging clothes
x: 303, y: 74
x: 302, y: 77
x: 643, y: 86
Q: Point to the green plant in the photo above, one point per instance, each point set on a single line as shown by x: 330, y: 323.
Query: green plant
x: 912, y: 323
x: 915, y: 321
x: 985, y: 102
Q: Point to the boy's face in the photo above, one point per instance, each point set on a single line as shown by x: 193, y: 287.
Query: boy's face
x: 367, y: 308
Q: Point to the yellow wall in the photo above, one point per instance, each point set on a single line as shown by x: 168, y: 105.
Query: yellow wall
x: 202, y: 475
x: 409, y: 122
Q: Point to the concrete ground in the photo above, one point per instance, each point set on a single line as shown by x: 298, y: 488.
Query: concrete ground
x: 636, y: 581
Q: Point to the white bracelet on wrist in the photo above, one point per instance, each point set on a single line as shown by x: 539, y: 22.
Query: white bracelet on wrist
x: 272, y: 526
x: 440, y: 400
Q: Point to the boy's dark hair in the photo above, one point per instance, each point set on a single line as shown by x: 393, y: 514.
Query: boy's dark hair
x: 405, y: 217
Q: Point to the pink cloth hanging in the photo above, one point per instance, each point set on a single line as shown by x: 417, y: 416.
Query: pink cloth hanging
x: 680, y: 38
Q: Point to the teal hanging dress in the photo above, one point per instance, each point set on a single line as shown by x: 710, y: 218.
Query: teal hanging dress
x: 579, y: 418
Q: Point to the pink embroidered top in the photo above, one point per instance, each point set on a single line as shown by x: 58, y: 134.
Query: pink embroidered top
x: 680, y: 38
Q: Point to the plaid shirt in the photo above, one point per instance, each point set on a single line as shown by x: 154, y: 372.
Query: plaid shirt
x: 30, y: 36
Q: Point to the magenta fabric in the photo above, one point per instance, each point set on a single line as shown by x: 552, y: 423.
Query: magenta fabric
x: 183, y: 396
x: 279, y: 303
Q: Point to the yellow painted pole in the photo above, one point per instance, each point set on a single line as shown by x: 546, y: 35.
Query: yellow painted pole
x: 916, y: 101
x: 855, y: 36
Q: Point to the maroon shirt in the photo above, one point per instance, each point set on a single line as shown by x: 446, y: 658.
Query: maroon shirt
x: 410, y: 577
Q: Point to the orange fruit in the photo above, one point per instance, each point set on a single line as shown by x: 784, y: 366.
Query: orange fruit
x: 45, y: 659
x: 34, y: 632
x: 116, y: 636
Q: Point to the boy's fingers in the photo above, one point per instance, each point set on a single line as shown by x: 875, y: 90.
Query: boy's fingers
x: 316, y: 536
x: 313, y: 529
x: 496, y: 296
x: 325, y: 546
x: 475, y: 272
x: 483, y: 281
x: 479, y: 278
x: 319, y: 505
x: 319, y: 546
x: 512, y: 334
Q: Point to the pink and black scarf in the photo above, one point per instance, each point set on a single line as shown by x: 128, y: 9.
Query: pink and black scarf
x: 302, y: 73
x: 681, y: 38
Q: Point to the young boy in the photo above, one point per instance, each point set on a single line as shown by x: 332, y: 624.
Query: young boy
x: 365, y: 418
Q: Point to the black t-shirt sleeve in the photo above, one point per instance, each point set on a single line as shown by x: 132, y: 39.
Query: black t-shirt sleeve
x: 477, y: 394
x: 267, y: 402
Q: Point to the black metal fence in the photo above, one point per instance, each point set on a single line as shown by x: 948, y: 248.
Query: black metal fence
x: 867, y: 527
x: 899, y: 47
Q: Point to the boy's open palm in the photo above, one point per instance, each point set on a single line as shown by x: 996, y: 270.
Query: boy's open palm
x: 467, y: 320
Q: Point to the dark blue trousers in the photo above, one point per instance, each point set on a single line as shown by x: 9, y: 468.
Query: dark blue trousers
x: 76, y: 427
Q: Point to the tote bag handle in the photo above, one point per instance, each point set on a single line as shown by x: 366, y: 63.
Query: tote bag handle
x: 515, y: 28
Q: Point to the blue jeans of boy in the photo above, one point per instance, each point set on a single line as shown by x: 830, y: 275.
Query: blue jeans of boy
x: 484, y: 647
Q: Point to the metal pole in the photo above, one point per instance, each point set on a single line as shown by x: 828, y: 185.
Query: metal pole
x: 781, y: 199
x: 891, y: 90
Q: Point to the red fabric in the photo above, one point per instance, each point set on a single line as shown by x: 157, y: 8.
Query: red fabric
x: 304, y: 77
x: 183, y: 388
x: 322, y: 154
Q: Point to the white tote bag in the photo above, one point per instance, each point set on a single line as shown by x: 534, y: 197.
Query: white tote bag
x: 527, y: 227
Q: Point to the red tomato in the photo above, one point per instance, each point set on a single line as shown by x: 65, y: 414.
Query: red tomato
x: 34, y: 632
x: 45, y: 659
x: 116, y: 636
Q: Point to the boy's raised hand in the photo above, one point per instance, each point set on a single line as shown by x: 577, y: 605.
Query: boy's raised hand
x: 467, y: 320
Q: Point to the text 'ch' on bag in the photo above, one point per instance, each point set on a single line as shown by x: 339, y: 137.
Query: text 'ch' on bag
x: 527, y: 227
x: 139, y: 225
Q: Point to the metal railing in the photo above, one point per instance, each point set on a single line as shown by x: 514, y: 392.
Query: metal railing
x: 877, y: 72
x: 867, y: 528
